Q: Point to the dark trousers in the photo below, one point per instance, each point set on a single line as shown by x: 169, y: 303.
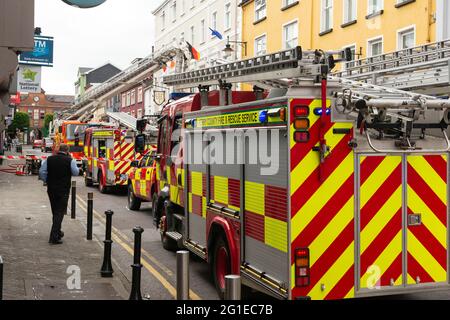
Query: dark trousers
x: 59, y: 202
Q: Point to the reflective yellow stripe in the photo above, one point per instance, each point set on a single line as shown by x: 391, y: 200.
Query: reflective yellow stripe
x: 276, y: 234
x: 426, y: 260
x: 322, y: 196
x: 384, y: 261
x: 221, y: 189
x: 429, y: 219
x: 431, y: 177
x: 254, y: 197
x: 197, y: 183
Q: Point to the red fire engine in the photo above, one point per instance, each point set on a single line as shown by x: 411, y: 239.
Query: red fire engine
x: 322, y: 189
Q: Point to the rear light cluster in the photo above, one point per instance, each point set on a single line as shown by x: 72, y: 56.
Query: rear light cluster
x: 302, y: 268
x: 301, y: 124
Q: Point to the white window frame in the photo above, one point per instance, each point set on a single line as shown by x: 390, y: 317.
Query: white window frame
x: 402, y: 31
x: 373, y: 40
x: 264, y: 35
x: 260, y: 8
x: 283, y: 32
x: 287, y: 3
x: 323, y: 11
x: 140, y: 95
x: 163, y: 20
x: 227, y: 16
x: 214, y: 21
x: 203, y: 30
x: 345, y: 18
x: 378, y: 8
x: 192, y: 29
x: 174, y: 11
x: 133, y: 97
x: 350, y: 45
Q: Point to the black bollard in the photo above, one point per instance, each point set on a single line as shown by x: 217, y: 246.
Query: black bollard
x: 137, y: 266
x: 90, y: 215
x: 74, y: 200
x: 107, y: 270
x: 1, y: 278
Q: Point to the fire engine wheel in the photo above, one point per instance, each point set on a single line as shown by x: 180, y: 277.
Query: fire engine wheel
x: 220, y: 265
x: 134, y: 203
x: 101, y: 186
x: 168, y: 243
x: 88, y: 182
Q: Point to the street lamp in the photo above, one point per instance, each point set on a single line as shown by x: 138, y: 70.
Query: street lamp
x: 228, y: 50
x: 84, y: 3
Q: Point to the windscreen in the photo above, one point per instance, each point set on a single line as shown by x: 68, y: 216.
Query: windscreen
x: 72, y: 129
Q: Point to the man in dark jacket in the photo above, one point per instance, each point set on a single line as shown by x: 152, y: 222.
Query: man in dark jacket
x: 57, y: 172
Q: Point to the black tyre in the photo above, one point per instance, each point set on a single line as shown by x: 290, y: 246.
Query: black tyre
x: 101, y: 186
x: 168, y: 243
x: 220, y: 265
x: 134, y: 203
x: 88, y: 181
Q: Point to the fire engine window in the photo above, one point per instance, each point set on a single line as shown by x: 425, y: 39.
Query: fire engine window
x: 176, y: 131
x: 162, y: 136
x: 102, y: 148
x: 143, y: 162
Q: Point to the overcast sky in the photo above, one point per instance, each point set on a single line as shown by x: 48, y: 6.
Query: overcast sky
x: 117, y: 31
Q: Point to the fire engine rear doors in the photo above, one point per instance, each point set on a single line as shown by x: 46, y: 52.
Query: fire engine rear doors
x: 402, y: 222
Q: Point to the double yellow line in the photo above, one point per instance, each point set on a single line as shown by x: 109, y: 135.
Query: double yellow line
x: 117, y: 236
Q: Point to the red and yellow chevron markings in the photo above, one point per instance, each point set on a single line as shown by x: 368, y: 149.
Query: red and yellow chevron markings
x: 381, y: 222
x: 427, y: 243
x: 322, y: 213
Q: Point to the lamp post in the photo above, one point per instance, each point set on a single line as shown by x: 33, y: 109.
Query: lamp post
x: 229, y: 50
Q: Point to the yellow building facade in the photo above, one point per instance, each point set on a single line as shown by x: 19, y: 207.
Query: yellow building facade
x: 368, y: 27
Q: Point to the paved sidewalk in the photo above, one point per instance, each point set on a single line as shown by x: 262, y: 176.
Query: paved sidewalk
x: 34, y: 269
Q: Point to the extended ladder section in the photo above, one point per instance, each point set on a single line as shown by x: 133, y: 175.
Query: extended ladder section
x: 123, y: 119
x: 267, y: 71
x: 135, y: 73
x: 425, y: 68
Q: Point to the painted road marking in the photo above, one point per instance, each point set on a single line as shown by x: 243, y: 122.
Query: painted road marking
x: 146, y: 265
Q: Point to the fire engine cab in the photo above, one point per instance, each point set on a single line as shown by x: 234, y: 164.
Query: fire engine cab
x: 309, y: 187
x: 109, y: 153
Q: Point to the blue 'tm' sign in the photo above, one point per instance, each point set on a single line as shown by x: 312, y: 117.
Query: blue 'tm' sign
x: 42, y: 55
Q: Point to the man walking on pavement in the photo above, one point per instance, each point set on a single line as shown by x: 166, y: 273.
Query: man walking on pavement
x: 57, y: 172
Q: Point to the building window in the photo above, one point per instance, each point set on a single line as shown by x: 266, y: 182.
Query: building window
x: 375, y: 47
x: 214, y: 20
x: 350, y: 10
x: 140, y: 97
x: 290, y: 35
x: 133, y: 97
x: 163, y: 20
x: 139, y: 113
x: 203, y: 31
x: 174, y: 11
x: 287, y: 3
x: 261, y: 45
x: 36, y: 114
x: 42, y: 117
x: 128, y: 98
x: 327, y: 15
x: 183, y: 7
x: 350, y: 64
x: 192, y: 35
x: 228, y: 16
x: 260, y: 9
x: 182, y: 38
x: 124, y: 100
x: 374, y: 6
x: 406, y: 38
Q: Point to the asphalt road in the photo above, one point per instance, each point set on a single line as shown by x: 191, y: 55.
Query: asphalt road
x: 159, y: 272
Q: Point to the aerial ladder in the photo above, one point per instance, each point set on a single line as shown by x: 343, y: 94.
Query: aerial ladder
x: 423, y: 68
x: 138, y: 72
x: 382, y: 111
